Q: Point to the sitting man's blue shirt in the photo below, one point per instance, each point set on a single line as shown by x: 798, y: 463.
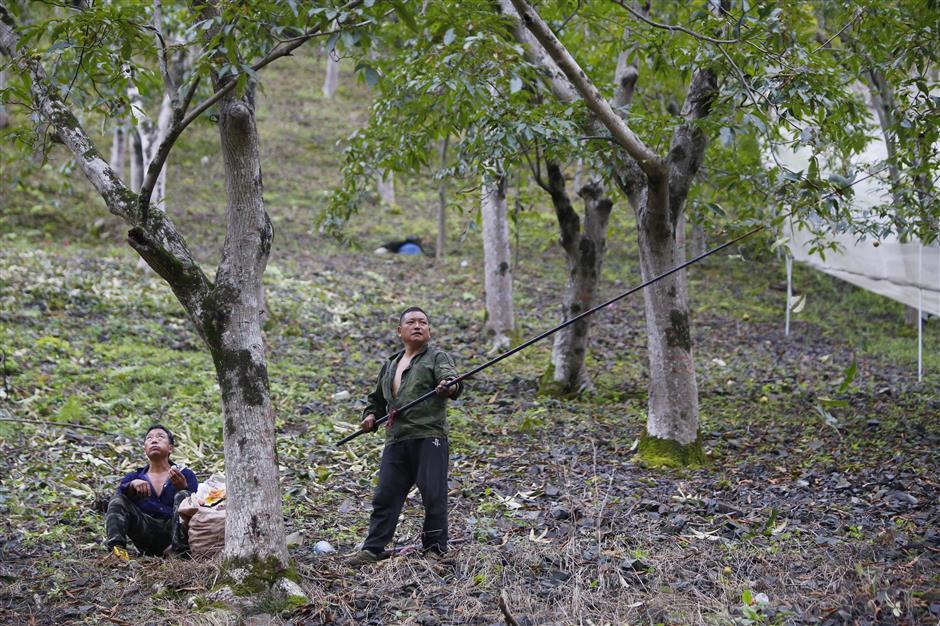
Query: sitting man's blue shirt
x: 159, y: 507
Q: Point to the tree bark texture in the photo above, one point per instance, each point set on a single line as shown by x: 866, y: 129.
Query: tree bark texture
x: 331, y: 81
x: 118, y: 149
x: 254, y: 527
x: 584, y: 253
x: 136, y: 159
x: 497, y: 262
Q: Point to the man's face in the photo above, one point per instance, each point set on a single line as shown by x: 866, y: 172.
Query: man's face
x: 157, y: 444
x: 414, y: 328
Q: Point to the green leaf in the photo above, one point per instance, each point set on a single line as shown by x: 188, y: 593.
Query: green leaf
x: 515, y: 84
x: 727, y: 136
x: 405, y: 15
x: 371, y: 76
x: 331, y: 42
x: 848, y: 376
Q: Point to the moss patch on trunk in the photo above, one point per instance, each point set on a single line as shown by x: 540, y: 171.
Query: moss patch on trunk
x: 656, y: 452
x: 548, y: 386
x: 251, y: 576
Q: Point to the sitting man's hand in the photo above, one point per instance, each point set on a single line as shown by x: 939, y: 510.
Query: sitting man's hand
x: 443, y: 390
x: 177, y: 478
x: 368, y: 424
x: 138, y: 488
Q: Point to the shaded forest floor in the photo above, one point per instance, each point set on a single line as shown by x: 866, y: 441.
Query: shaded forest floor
x: 820, y: 503
x: 828, y: 520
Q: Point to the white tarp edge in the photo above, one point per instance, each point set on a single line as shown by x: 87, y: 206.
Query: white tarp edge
x: 904, y: 272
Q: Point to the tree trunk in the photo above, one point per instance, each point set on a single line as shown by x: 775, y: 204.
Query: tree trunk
x: 697, y: 243
x: 441, y: 208
x: 385, y: 185
x: 150, y: 136
x: 118, y: 149
x: 673, y: 392
x: 331, y: 82
x: 497, y: 267
x: 136, y: 158
x: 255, y: 540
x: 584, y: 251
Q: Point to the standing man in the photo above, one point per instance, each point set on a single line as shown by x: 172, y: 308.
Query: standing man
x: 416, y: 450
x: 144, y: 507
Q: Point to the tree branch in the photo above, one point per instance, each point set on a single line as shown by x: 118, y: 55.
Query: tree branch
x: 179, y: 123
x: 168, y: 83
x: 649, y: 161
x: 568, y: 220
x: 159, y: 243
x: 825, y: 44
x: 688, y: 140
x: 670, y: 27
x: 118, y: 198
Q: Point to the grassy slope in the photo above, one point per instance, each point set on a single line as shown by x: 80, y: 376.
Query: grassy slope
x: 89, y: 339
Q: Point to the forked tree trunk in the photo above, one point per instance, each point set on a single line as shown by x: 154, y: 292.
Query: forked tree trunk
x: 331, y: 81
x: 497, y: 280
x: 584, y: 252
x: 657, y: 189
x: 226, y: 314
x: 254, y: 527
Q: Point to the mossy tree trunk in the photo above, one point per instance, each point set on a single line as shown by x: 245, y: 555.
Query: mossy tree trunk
x: 254, y: 527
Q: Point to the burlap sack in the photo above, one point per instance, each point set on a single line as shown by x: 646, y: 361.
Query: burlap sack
x: 206, y: 531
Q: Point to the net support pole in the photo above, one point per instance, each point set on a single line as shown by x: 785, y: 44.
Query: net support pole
x: 920, y: 314
x: 786, y: 325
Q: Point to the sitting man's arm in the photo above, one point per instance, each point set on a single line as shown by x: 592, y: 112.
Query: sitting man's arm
x: 134, y: 487
x: 192, y: 483
x: 183, y: 479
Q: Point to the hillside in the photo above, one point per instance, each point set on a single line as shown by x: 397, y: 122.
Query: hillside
x: 799, y: 517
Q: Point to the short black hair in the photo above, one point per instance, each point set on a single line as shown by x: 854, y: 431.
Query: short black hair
x: 401, y: 317
x: 164, y: 429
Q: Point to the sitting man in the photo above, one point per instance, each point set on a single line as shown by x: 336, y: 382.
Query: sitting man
x: 146, y: 503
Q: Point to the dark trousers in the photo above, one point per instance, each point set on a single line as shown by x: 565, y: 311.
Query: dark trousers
x: 404, y: 464
x: 151, y: 535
